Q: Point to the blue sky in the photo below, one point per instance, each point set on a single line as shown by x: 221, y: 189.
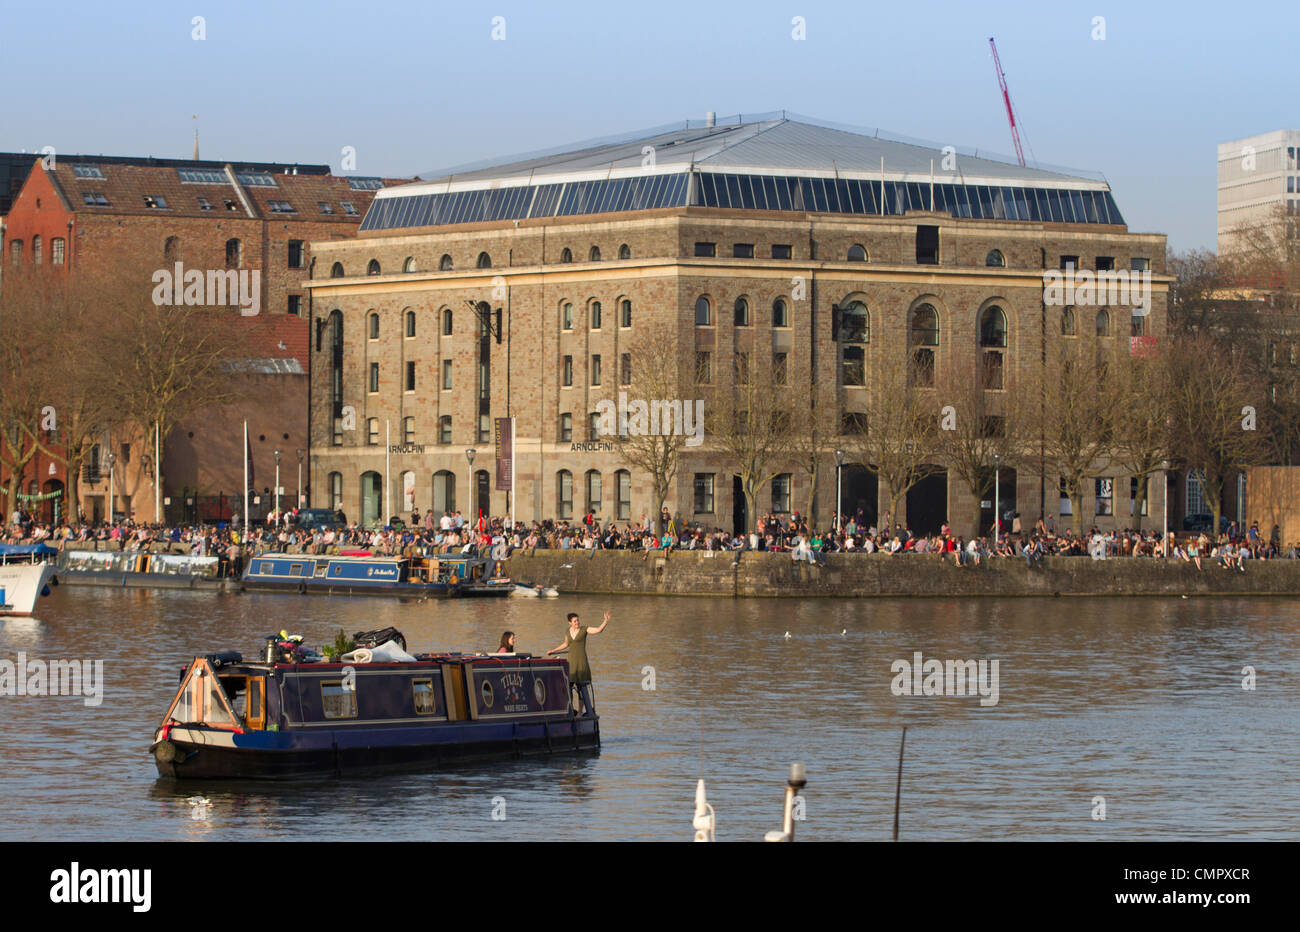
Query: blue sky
x: 420, y: 85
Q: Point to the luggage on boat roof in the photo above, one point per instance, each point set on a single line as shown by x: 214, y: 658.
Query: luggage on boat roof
x: 372, y: 639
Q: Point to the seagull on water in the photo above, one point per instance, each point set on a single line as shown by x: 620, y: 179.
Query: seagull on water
x: 787, y: 635
x: 843, y: 631
x: 566, y: 566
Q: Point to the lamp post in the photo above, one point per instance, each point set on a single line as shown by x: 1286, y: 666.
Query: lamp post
x: 997, y: 495
x: 300, y: 456
x: 277, y: 486
x: 469, y: 456
x: 839, y: 463
x: 111, y: 458
x: 1164, y: 511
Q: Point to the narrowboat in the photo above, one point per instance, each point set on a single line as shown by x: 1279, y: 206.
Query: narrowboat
x: 273, y: 719
x: 361, y: 573
x: 139, y: 568
x: 25, y: 575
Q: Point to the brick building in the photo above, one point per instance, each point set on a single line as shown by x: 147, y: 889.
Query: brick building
x: 731, y: 237
x: 87, y: 215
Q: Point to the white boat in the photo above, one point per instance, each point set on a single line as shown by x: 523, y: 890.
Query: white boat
x: 529, y: 591
x: 25, y: 575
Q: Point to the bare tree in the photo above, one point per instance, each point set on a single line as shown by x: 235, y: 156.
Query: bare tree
x: 1140, y: 419
x: 816, y: 429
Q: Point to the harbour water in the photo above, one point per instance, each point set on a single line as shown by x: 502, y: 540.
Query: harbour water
x: 1137, y: 701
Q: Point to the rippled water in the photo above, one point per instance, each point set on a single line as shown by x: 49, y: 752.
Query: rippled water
x: 1136, y: 700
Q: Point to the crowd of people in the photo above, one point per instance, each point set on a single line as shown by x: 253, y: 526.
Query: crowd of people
x: 496, y: 539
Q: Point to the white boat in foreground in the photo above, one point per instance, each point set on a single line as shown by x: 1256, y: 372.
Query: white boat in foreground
x: 25, y: 575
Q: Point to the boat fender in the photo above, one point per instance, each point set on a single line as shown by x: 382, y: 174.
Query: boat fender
x: 45, y: 590
x: 302, y: 588
x: 453, y: 579
x: 164, y: 751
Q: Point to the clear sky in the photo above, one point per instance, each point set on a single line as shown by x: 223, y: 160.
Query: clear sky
x: 415, y: 86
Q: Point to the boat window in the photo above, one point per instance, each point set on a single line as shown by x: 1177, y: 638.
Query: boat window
x: 336, y: 701
x: 321, y: 569
x: 215, y: 710
x: 486, y: 690
x: 336, y: 569
x: 539, y: 691
x: 183, y: 711
x: 295, y: 569
x: 266, y: 568
x: 422, y: 690
x: 255, y: 717
x: 236, y: 690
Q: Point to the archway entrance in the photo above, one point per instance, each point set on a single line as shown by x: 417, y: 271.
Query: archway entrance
x: 927, y: 502
x: 860, y: 495
x: 372, y: 489
x: 739, y: 512
x: 52, y: 502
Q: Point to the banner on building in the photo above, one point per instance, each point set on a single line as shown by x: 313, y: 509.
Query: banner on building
x: 504, y: 439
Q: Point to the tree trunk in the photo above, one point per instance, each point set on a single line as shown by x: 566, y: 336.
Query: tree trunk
x: 811, y: 510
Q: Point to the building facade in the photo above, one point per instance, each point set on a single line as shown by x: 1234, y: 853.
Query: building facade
x: 771, y: 237
x: 1258, y: 175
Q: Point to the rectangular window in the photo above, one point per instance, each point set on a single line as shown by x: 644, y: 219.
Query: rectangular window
x: 1138, y: 325
x: 1196, y: 504
x: 410, y: 376
x: 992, y: 370
x: 595, y: 370
x: 779, y: 368
x: 295, y: 305
x: 155, y: 201
x: 446, y: 375
x: 781, y: 493
x: 1133, y: 496
x: 204, y: 203
x: 625, y: 310
x: 1105, y: 263
x: 782, y: 251
x: 593, y: 426
x: 566, y: 376
x: 564, y: 507
x: 348, y: 208
x: 372, y: 431
x: 1105, y: 496
x: 295, y: 254
x: 927, y: 245
x: 422, y: 697
x: 1069, y: 262
x: 742, y: 368
x: 703, y: 368
x: 624, y: 479
x: 706, y: 250
x: 444, y: 429
x: 1065, y: 507
x: 336, y: 701
x: 408, y: 430
x: 374, y: 376
x: 704, y: 493
x: 595, y: 315
x: 1139, y: 265
x: 56, y: 250
x: 743, y: 251
x: 566, y: 428
x: 625, y: 369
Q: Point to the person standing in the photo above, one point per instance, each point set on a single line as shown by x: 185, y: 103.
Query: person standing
x: 575, y: 642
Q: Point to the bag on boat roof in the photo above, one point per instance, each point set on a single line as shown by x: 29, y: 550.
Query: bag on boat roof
x: 373, y: 639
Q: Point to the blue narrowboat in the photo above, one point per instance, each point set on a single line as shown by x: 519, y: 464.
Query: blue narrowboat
x: 372, y: 574
x: 236, y: 720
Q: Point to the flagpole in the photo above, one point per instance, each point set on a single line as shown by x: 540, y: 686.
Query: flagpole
x: 157, y: 476
x: 514, y: 466
x: 245, y: 477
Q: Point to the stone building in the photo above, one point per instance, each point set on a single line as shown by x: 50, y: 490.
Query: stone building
x: 823, y: 244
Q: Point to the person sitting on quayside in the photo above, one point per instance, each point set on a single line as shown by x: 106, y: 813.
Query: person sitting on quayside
x: 575, y: 641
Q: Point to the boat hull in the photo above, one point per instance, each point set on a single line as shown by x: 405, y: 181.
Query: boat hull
x: 215, y: 754
x: 21, y: 585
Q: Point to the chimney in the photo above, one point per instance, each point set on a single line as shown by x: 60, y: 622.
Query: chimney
x: 711, y: 118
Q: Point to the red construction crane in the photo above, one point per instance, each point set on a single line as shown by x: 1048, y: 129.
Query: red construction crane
x: 1006, y: 99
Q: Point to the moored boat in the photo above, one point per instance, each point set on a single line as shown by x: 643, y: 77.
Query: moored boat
x: 25, y: 575
x: 138, y: 568
x: 363, y: 573
x: 273, y: 719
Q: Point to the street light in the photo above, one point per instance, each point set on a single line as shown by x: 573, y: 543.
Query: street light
x: 997, y: 497
x: 277, y: 486
x: 469, y: 455
x: 839, y: 462
x: 1164, y: 511
x: 300, y: 456
x: 112, y: 458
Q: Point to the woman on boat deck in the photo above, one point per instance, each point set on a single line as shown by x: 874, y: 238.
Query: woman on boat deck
x: 575, y: 641
x: 507, y: 645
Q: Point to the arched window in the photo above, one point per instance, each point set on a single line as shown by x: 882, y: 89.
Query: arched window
x: 409, y: 264
x: 566, y: 316
x: 444, y: 429
x: 1103, y: 323
x: 857, y: 253
x: 625, y: 313
x: 372, y: 323
x: 235, y: 256
x: 995, y: 260
x: 993, y: 327
x: 36, y: 250
x: 566, y: 254
x: 445, y: 264
x: 410, y: 323
x: 446, y: 321
x: 742, y: 312
x: 624, y: 252
x: 703, y: 312
x: 336, y: 270
x: 855, y: 323
x: 993, y: 341
x: 623, y: 485
x: 1067, y: 322
x: 594, y: 255
x: 372, y: 268
x: 484, y: 261
x: 564, y: 495
x: 172, y: 248
x: 593, y: 484
x: 780, y: 313
x: 923, y: 338
x: 593, y: 315
x: 444, y: 491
